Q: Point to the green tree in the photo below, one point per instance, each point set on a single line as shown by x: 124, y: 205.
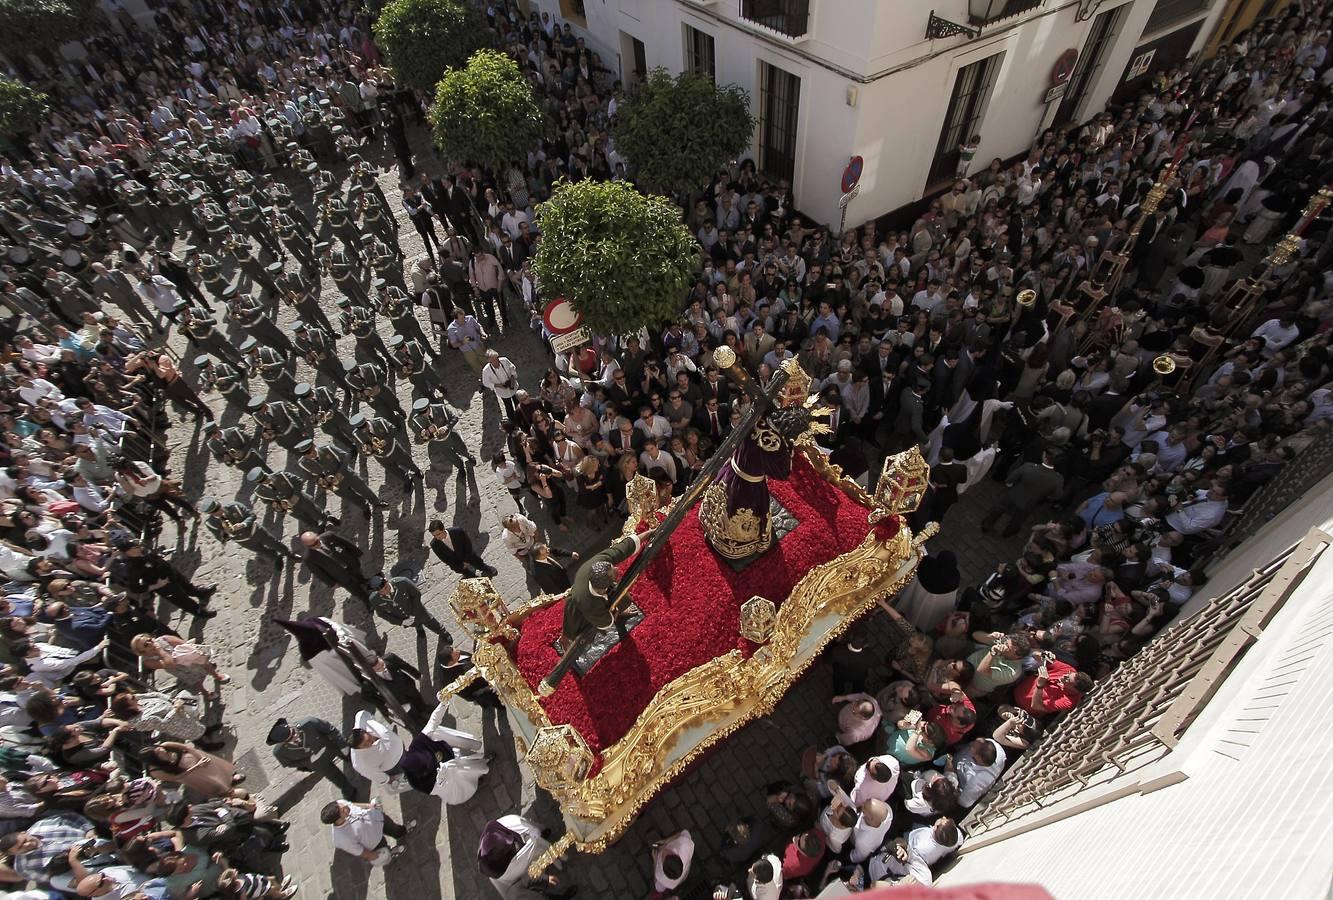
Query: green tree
x: 423, y: 38
x: 37, y: 26
x: 21, y: 108
x: 486, y: 113
x: 677, y: 132
x: 621, y: 258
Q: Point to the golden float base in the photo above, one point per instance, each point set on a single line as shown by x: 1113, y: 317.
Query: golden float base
x: 691, y: 714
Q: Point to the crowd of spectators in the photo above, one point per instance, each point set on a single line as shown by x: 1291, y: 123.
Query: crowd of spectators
x: 919, y: 336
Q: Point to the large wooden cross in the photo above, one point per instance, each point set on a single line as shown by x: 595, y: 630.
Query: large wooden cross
x: 762, y: 400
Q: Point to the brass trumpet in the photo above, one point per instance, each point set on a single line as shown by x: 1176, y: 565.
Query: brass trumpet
x: 1026, y: 298
x: 378, y: 446
x: 1164, y: 364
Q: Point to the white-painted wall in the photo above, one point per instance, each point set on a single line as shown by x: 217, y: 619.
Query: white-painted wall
x: 902, y: 82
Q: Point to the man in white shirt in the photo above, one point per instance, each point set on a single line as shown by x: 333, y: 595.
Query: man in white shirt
x: 875, y: 780
x: 1277, y: 334
x: 361, y: 829
x: 977, y: 766
x: 651, y: 425
x: 914, y: 855
x: 653, y: 457
x: 377, y: 750
x: 500, y: 376
x: 1206, y: 510
x: 872, y: 825
x: 50, y: 665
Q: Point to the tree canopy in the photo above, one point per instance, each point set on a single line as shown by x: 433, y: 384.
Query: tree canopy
x: 421, y: 39
x: 21, y: 108
x: 486, y: 113
x: 35, y: 26
x: 622, y: 259
x: 657, y: 129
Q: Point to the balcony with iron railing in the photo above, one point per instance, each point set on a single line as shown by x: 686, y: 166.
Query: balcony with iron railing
x: 789, y: 19
x: 987, y: 12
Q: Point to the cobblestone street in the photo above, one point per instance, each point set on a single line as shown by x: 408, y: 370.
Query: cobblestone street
x: 269, y: 679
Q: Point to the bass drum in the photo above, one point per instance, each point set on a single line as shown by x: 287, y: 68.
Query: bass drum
x: 74, y: 260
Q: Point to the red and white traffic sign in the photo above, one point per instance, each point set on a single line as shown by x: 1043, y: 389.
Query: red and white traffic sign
x: 560, y: 316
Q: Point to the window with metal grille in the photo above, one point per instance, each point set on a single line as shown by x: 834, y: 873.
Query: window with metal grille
x: 1101, y: 37
x: 1169, y: 12
x: 699, y: 53
x: 791, y: 17
x: 971, y: 91
x: 780, y: 99
x: 1137, y: 715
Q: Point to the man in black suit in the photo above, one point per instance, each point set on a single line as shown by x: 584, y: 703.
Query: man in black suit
x: 714, y: 385
x: 626, y: 439
x: 454, y: 548
x: 401, y: 681
x: 908, y: 426
x: 511, y: 255
x: 334, y: 560
x: 713, y: 419
x: 884, y: 396
x: 837, y: 421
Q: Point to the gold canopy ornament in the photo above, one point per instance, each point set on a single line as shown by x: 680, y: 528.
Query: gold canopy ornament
x: 757, y: 617
x: 481, y: 610
x: 902, y: 485
x: 559, y: 756
x: 641, y: 499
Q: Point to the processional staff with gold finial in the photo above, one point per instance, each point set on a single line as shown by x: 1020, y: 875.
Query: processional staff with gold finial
x: 1119, y: 260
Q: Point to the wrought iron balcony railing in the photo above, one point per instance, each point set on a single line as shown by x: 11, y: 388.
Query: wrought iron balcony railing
x: 787, y: 17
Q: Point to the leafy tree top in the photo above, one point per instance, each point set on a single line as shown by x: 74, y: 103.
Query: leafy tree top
x: 21, y: 108
x: 423, y: 38
x: 621, y: 258
x: 34, y: 26
x: 486, y: 113
x: 658, y: 129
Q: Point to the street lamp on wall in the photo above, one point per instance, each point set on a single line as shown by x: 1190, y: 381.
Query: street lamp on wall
x: 937, y: 27
x: 1086, y: 10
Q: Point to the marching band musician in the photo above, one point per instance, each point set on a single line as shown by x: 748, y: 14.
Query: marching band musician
x: 276, y: 419
x: 436, y: 424
x: 235, y: 521
x: 368, y: 382
x: 254, y: 318
x: 319, y: 348
x: 398, y: 308
x: 378, y: 437
x: 358, y: 321
x: 410, y: 363
x: 300, y: 295
x: 283, y: 491
x: 318, y: 405
x: 331, y: 467
x: 231, y: 446
x: 227, y: 378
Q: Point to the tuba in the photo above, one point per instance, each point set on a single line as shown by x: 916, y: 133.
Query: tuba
x: 1164, y: 364
x: 1026, y: 298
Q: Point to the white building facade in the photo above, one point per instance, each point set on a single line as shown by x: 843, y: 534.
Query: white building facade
x: 833, y: 79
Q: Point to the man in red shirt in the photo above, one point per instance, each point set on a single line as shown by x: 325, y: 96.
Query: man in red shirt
x: 1056, y: 688
x: 955, y: 718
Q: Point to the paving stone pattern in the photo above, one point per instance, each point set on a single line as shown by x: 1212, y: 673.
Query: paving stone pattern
x: 269, y: 679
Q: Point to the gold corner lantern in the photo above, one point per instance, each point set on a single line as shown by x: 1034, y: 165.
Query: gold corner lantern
x: 758, y: 616
x: 481, y: 610
x: 559, y: 757
x: 902, y: 485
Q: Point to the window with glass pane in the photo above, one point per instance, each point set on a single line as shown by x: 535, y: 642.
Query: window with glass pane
x: 1090, y: 61
x: 780, y: 96
x: 699, y: 54
x: 971, y: 90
